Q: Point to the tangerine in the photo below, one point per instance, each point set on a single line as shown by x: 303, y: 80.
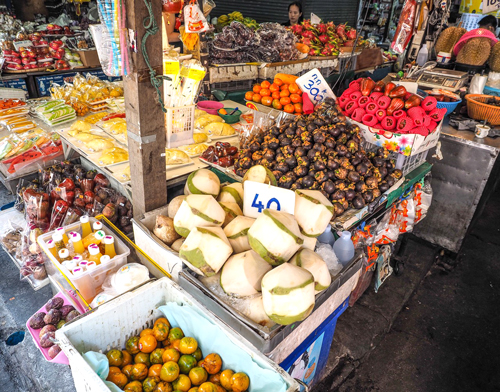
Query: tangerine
x: 212, y: 363
x: 169, y: 371
x: 215, y: 378
x: 139, y: 372
x: 163, y: 386
x: 295, y: 98
x: 289, y: 108
x: 156, y: 356
x: 265, y: 92
x: 188, y: 345
x: 147, y: 331
x: 293, y: 88
x: 127, y: 358
x: 115, y: 357
x: 175, y: 333
x: 298, y: 107
x: 249, y: 95
x: 284, y: 93
x: 127, y: 370
x: 240, y: 382
x: 276, y: 95
x: 182, y: 384
x: 278, y: 82
x: 225, y: 378
x: 154, y: 371
x: 265, y: 84
x: 285, y: 101
x: 150, y: 383
x: 267, y: 101
x: 134, y: 386
x: 284, y: 87
x: 277, y: 105
x: 186, y: 363
x: 162, y: 320
x: 197, y: 354
x: 170, y: 354
x: 194, y: 389
x: 207, y: 387
x: 142, y: 358
x: 257, y: 98
x: 132, y: 345
x: 274, y: 87
x: 256, y: 89
x: 147, y: 343
x: 198, y: 375
x: 176, y: 344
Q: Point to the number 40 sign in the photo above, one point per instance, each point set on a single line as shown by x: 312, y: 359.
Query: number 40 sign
x: 259, y: 197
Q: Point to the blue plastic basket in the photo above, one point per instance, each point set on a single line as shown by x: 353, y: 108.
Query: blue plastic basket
x: 491, y: 91
x: 422, y: 93
x: 449, y: 106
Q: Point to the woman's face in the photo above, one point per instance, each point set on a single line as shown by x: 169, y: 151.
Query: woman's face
x: 294, y: 14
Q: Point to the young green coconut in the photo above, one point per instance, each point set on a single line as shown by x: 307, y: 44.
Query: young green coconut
x: 232, y: 193
x: 198, y: 210
x: 307, y: 259
x: 237, y: 233
x: 202, y: 182
x: 313, y: 211
x: 288, y: 294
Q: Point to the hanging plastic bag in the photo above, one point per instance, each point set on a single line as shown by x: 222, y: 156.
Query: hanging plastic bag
x: 422, y: 199
x: 407, y: 219
x: 194, y: 20
x: 405, y: 27
x: 388, y: 228
x: 384, y: 269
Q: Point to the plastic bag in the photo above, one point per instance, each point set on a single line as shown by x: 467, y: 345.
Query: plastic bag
x: 407, y: 219
x: 422, y: 199
x: 388, y: 228
x: 37, y: 209
x: 405, y: 27
x: 365, y: 278
x: 194, y: 20
x: 384, y: 269
x: 129, y: 276
x: 30, y: 254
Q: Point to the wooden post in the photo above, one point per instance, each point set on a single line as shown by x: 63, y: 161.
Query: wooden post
x: 145, y: 119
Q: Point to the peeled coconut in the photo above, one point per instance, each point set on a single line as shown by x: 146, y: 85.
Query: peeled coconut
x: 232, y: 210
x: 174, y: 205
x: 237, y: 233
x: 232, y: 194
x: 288, y: 294
x: 259, y: 173
x: 198, y: 210
x: 313, y: 211
x: 177, y: 244
x: 309, y: 242
x: 205, y: 250
x: 202, y: 182
x: 275, y: 236
x: 254, y: 310
x: 242, y: 274
x: 313, y: 262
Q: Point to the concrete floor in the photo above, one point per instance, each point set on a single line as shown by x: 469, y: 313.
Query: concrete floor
x: 434, y: 328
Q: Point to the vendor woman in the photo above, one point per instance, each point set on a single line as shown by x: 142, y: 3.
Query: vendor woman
x: 294, y: 14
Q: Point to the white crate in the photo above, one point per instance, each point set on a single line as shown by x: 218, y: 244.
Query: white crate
x: 160, y: 253
x: 89, y: 283
x: 233, y: 73
x: 14, y: 93
x: 113, y: 323
x: 179, y: 124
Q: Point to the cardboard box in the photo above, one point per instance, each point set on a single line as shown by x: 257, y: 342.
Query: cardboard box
x: 89, y: 58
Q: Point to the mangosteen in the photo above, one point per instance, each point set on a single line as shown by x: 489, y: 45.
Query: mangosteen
x: 383, y: 187
x: 319, y: 164
x: 352, y: 146
x: 320, y: 176
x: 368, y: 196
x: 300, y: 152
x: 307, y: 181
x: 296, y: 142
x: 303, y: 161
x: 378, y: 161
x: 341, y: 173
x: 371, y: 182
x: 376, y: 193
x: 301, y: 123
x: 355, y: 161
x: 358, y: 202
x: 277, y: 173
x: 257, y: 156
x: 279, y: 157
x: 319, y: 136
x: 383, y: 153
x: 397, y: 174
x: 298, y: 182
x: 319, y: 147
x: 287, y: 151
x: 319, y: 122
x: 330, y: 153
x: 331, y: 175
x: 350, y: 194
x: 390, y: 164
x: 338, y: 209
x: 282, y: 167
x: 285, y: 141
x: 254, y: 146
x: 312, y: 172
x: 332, y: 164
x: 390, y: 180
x: 335, y: 132
x: 264, y: 162
x: 291, y: 161
x: 311, y: 154
x: 310, y: 127
x: 274, y: 130
x: 339, y: 184
x: 344, y: 162
x: 383, y: 172
x: 341, y: 150
x: 290, y: 132
x: 353, y: 176
x: 274, y: 143
x: 300, y: 171
x: 330, y: 142
x: 269, y: 154
x: 328, y: 186
x: 361, y: 169
x: 314, y: 186
x: 348, y: 155
x: 360, y: 186
x: 338, y: 195
x: 342, y: 139
x: 307, y: 145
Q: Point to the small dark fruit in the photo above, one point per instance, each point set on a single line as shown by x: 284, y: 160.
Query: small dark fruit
x: 52, y: 317
x: 54, y: 303
x: 54, y: 350
x: 47, y: 328
x: 36, y: 322
x: 46, y: 339
x: 72, y: 315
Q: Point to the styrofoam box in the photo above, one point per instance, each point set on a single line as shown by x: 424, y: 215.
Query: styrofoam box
x: 111, y: 324
x: 144, y: 238
x: 90, y: 282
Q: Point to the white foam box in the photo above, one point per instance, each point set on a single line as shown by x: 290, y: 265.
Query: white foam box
x: 111, y: 324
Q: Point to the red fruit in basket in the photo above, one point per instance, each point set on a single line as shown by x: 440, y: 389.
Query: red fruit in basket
x: 388, y: 88
x: 355, y: 95
x: 412, y: 101
x: 363, y: 101
x: 369, y: 120
x: 388, y: 123
x: 355, y: 85
x: 68, y: 197
x: 79, y: 201
x: 367, y: 85
x: 380, y: 114
x: 396, y: 104
x: 399, y: 114
x: 100, y: 179
x: 429, y: 103
x: 88, y: 197
x: 416, y: 113
x: 61, y: 207
x: 67, y: 184
x: 379, y: 87
x: 404, y: 125
x: 358, y: 114
x: 397, y: 92
x: 371, y: 108
x: 432, y: 126
x: 384, y: 102
x: 375, y: 96
x: 350, y: 107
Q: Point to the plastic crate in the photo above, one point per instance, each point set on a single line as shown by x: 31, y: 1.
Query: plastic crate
x: 179, y: 123
x: 309, y: 359
x: 347, y: 62
x: 89, y: 283
x: 110, y: 325
x: 404, y: 163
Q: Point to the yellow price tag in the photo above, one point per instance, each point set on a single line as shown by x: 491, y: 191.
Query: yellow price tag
x: 194, y: 74
x: 171, y: 67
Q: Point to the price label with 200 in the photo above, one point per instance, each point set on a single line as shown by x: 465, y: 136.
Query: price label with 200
x: 258, y: 197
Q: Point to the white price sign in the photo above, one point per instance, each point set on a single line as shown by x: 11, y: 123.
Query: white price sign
x: 259, y: 197
x: 315, y: 86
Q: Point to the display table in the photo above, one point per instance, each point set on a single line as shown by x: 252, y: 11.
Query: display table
x: 462, y: 183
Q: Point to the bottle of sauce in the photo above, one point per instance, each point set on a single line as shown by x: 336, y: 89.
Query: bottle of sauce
x: 76, y: 239
x: 97, y: 226
x: 62, y: 230
x: 95, y: 254
x: 86, y: 228
x: 52, y: 248
x: 64, y: 255
x: 109, y: 246
x: 93, y: 238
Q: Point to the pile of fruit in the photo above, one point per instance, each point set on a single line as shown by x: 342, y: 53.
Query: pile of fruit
x: 222, y: 154
x: 9, y: 103
x: 321, y: 151
x: 46, y: 322
x: 390, y: 107
x: 225, y: 20
x: 324, y: 39
x: 388, y: 56
x: 240, y: 44
x: 162, y: 359
x: 282, y: 94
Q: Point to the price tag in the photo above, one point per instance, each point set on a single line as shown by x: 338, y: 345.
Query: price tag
x: 259, y: 197
x: 22, y: 44
x: 315, y: 86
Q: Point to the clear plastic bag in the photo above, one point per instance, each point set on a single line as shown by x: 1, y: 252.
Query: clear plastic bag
x: 422, y: 199
x: 388, y: 227
x: 194, y: 20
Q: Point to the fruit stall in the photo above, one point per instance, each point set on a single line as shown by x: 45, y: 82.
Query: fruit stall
x: 203, y: 245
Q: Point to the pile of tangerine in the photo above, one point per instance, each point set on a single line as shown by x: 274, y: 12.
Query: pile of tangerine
x: 162, y: 359
x: 10, y: 103
x: 280, y: 96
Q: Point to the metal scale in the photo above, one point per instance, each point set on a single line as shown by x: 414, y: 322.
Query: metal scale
x: 446, y: 79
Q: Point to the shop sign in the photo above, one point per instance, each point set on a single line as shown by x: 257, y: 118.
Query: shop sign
x: 259, y: 197
x: 490, y: 6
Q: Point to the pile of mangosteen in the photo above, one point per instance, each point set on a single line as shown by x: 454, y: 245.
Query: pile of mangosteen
x: 321, y: 151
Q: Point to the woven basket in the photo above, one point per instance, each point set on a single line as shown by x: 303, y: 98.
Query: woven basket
x: 478, y: 110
